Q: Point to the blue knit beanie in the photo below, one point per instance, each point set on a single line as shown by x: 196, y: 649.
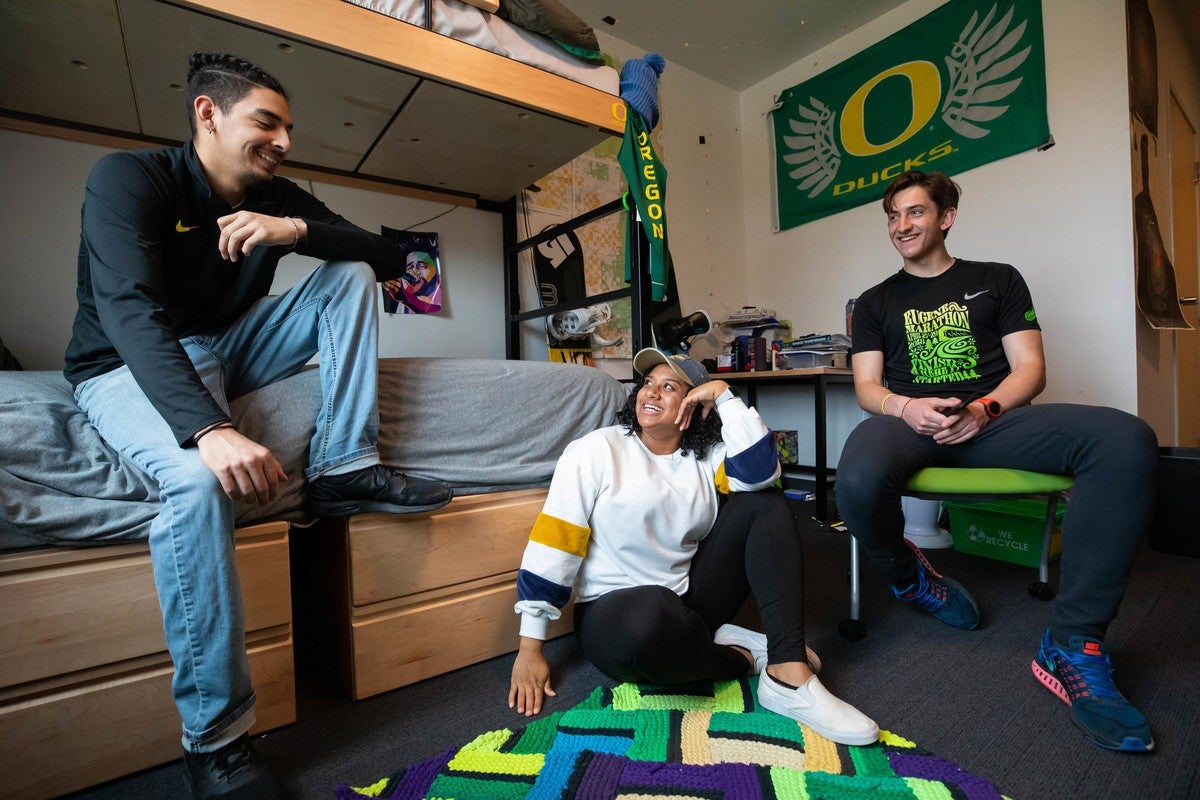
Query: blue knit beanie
x: 639, y: 86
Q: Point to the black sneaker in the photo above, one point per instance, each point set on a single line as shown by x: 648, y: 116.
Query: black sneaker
x: 376, y: 488
x: 234, y: 772
x: 947, y: 600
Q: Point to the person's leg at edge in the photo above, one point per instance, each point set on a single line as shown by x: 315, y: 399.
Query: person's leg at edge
x: 192, y: 553
x: 646, y: 634
x: 753, y: 548
x: 331, y: 313
x: 879, y: 457
x: 755, y: 545
x: 1112, y: 456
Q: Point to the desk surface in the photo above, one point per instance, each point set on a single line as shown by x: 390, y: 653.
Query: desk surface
x: 783, y: 374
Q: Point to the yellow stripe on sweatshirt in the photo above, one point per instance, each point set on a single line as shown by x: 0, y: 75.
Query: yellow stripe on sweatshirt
x: 721, y: 479
x: 560, y: 534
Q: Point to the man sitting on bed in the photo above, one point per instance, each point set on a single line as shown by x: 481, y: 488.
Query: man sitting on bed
x: 178, y: 251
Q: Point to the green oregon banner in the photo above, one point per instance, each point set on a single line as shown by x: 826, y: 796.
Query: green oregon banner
x: 647, y: 177
x: 962, y: 86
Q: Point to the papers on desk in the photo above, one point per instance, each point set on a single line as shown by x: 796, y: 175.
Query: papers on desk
x: 814, y: 350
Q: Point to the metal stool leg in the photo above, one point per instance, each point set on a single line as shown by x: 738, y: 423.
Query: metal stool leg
x: 1042, y: 589
x: 852, y: 628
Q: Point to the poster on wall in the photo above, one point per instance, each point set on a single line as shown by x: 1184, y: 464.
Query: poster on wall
x: 588, y: 181
x: 958, y: 88
x: 1157, y: 291
x: 419, y: 289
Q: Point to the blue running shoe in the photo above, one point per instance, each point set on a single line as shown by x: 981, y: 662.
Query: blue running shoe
x: 942, y: 597
x: 1081, y: 676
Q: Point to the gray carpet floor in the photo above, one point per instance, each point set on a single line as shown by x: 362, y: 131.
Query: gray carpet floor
x: 967, y: 696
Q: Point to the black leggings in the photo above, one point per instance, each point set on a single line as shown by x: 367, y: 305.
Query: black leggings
x: 649, y: 634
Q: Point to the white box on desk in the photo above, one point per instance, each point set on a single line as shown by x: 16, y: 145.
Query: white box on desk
x: 803, y: 359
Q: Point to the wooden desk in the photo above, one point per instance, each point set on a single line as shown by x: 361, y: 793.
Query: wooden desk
x: 820, y: 378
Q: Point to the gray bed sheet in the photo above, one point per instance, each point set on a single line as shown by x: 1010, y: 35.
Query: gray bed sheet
x: 481, y: 425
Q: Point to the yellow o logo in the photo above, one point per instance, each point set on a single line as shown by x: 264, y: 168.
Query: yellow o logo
x: 926, y: 86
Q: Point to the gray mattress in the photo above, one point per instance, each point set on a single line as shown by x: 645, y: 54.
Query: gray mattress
x: 481, y: 425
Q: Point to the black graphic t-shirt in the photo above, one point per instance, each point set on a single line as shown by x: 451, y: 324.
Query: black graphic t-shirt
x: 942, y: 336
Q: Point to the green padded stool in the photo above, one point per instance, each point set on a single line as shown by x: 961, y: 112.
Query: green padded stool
x: 974, y: 484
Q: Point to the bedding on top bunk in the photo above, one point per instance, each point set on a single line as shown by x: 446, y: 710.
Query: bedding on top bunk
x: 552, y: 38
x: 481, y: 425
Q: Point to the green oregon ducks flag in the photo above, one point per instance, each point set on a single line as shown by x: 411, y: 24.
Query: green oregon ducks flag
x: 647, y: 177
x: 962, y: 86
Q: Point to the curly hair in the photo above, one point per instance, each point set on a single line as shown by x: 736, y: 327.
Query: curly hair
x: 226, y: 79
x: 699, y: 437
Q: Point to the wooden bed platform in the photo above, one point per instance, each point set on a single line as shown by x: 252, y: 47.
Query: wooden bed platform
x: 85, y: 678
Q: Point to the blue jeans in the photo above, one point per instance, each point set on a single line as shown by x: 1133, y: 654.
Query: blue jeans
x: 331, y: 313
x: 1112, y: 455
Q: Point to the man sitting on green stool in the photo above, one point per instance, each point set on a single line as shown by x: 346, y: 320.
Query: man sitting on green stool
x: 947, y: 354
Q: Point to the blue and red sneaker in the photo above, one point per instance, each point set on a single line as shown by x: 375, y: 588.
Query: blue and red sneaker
x: 1081, y: 675
x: 947, y: 600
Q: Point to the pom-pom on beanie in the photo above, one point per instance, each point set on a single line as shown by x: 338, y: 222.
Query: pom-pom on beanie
x: 639, y: 86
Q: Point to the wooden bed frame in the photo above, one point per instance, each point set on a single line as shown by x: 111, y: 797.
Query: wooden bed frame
x: 85, y: 677
x: 397, y: 599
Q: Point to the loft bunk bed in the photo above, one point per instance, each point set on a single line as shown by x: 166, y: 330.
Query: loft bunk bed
x: 382, y: 98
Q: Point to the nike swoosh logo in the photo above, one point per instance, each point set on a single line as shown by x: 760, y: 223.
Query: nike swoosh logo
x: 974, y: 295
x: 181, y: 228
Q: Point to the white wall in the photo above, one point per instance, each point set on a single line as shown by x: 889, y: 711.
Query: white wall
x: 1063, y: 216
x: 42, y: 179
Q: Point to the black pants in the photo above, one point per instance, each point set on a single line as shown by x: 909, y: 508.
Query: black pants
x: 1112, y: 455
x: 649, y: 634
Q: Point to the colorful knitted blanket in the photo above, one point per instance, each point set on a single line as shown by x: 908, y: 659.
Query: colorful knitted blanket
x: 710, y: 742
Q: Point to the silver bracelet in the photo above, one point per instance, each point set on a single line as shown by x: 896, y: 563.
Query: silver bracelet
x: 296, y: 241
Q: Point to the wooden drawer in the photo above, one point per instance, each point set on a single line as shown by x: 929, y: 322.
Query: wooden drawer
x: 474, y: 537
x: 405, y: 644
x: 68, y: 609
x: 114, y: 722
x: 82, y: 655
x: 414, y: 597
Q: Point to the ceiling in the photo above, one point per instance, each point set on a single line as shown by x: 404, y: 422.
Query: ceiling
x: 739, y: 44
x: 735, y: 44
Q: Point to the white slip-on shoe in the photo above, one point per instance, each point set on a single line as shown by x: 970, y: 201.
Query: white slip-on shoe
x: 813, y: 705
x: 756, y: 643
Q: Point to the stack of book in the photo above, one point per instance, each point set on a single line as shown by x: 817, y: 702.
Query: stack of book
x: 750, y: 331
x: 815, y: 350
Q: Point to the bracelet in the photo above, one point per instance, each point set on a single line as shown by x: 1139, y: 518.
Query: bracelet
x: 883, y: 405
x: 296, y: 241
x: 196, y: 439
x: 904, y: 407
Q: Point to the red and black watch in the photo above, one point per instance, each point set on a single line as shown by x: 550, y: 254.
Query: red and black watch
x: 990, y: 407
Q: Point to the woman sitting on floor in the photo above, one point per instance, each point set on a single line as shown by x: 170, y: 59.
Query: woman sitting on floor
x: 663, y: 525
